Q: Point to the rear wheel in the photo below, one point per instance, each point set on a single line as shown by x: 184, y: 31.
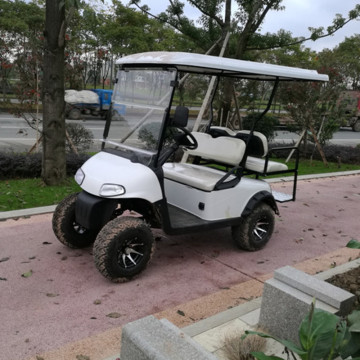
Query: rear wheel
x: 74, y: 114
x: 123, y: 248
x: 256, y: 229
x: 66, y: 229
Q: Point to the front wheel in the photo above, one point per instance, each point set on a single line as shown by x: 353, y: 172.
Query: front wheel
x: 356, y: 126
x: 123, y: 248
x: 256, y: 229
x: 65, y: 227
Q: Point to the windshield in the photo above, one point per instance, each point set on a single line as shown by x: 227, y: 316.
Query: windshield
x: 140, y: 100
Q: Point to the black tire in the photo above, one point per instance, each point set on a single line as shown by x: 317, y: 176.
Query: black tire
x: 123, y: 248
x: 256, y: 229
x: 74, y: 114
x: 356, y: 126
x: 66, y: 229
x: 115, y: 116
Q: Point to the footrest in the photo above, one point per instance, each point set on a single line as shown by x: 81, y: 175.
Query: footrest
x: 282, y: 197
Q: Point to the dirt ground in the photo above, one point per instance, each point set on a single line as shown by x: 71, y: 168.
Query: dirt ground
x: 349, y: 281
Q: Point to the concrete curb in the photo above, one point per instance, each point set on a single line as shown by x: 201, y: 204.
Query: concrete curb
x: 315, y: 176
x: 49, y: 209
x: 26, y: 212
x: 253, y: 305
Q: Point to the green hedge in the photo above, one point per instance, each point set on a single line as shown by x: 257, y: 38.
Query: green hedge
x: 13, y: 165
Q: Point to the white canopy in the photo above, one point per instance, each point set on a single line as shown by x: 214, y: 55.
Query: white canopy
x: 214, y: 65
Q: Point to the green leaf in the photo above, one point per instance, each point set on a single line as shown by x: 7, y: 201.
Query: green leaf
x: 27, y: 274
x: 350, y: 346
x: 262, y: 356
x: 317, y: 332
x: 354, y: 321
x: 290, y: 345
x: 353, y: 244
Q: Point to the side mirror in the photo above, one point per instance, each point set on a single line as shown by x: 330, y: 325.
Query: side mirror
x: 181, y: 116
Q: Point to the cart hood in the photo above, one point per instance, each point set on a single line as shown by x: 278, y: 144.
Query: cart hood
x: 137, y: 180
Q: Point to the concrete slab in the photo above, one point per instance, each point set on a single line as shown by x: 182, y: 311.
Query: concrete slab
x: 149, y: 338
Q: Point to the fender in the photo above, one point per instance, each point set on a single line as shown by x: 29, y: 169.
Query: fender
x: 262, y: 196
x: 93, y: 212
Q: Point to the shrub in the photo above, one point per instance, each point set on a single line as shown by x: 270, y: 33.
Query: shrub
x: 81, y: 137
x: 29, y: 165
x: 333, y: 153
x: 345, y: 154
x: 265, y: 126
x: 238, y: 348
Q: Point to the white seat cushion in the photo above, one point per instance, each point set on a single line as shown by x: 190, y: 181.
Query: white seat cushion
x: 226, y: 150
x: 258, y: 145
x: 257, y: 165
x: 200, y: 177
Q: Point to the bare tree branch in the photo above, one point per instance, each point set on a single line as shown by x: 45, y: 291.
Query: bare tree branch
x: 313, y: 36
x: 212, y: 16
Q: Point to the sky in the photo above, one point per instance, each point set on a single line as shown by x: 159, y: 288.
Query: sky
x: 297, y: 17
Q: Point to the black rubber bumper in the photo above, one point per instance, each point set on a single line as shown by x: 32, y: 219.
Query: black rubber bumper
x: 93, y: 212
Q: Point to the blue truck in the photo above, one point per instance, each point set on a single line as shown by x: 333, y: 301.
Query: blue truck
x: 95, y: 102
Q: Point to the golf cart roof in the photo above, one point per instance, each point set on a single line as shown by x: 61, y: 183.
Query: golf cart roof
x: 214, y: 65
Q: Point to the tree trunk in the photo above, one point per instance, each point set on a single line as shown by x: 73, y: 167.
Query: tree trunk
x: 54, y: 161
x: 319, y: 147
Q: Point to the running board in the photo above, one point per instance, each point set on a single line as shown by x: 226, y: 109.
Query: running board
x: 282, y: 197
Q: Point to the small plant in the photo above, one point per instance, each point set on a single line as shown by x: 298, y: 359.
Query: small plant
x: 238, y: 348
x: 353, y: 244
x: 321, y: 336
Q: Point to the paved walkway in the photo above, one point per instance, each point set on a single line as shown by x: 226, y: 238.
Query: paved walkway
x: 65, y: 308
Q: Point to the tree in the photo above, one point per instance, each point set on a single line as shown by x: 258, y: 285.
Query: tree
x: 244, y: 27
x: 315, y: 107
x: 347, y: 60
x: 20, y: 43
x: 54, y: 163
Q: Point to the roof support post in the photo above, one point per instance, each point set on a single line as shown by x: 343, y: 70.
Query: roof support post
x: 208, y: 94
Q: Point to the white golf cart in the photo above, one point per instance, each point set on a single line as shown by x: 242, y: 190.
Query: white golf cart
x: 134, y: 184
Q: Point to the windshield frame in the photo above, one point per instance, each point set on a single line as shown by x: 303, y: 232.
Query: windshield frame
x: 148, y: 157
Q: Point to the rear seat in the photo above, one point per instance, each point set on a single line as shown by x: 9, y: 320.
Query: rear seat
x: 224, y: 150
x: 257, y: 151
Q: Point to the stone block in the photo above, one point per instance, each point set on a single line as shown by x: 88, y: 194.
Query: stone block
x: 319, y: 289
x: 283, y: 308
x: 152, y: 339
x: 287, y: 300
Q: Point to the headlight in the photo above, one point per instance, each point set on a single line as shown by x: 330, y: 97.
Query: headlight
x: 79, y: 176
x: 111, y: 190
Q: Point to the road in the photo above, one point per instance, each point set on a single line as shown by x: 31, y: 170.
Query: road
x: 16, y: 135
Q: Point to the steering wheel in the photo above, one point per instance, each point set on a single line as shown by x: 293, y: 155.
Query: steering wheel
x: 188, y: 139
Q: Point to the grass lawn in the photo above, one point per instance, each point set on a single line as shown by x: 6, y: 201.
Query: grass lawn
x: 308, y: 167
x: 29, y: 193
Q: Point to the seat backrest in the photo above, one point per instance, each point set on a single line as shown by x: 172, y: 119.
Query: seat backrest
x: 258, y: 145
x: 223, y: 149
